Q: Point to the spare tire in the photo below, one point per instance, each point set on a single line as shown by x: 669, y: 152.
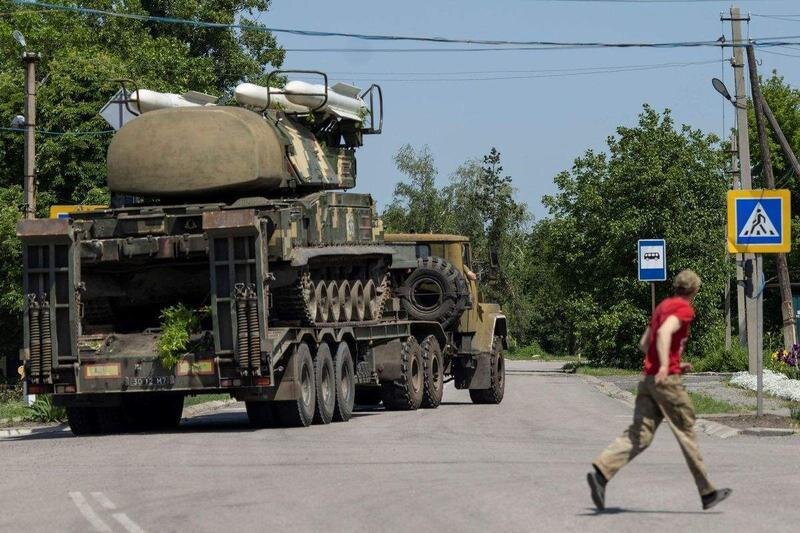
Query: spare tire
x: 435, y: 292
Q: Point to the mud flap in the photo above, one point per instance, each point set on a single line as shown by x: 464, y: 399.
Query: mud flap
x: 472, y: 371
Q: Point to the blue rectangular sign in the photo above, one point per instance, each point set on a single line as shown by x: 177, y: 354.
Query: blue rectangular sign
x: 652, y: 260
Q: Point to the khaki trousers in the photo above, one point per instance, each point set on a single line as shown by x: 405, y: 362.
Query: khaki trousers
x: 654, y: 403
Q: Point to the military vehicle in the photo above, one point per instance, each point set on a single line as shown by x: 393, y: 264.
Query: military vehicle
x: 301, y: 302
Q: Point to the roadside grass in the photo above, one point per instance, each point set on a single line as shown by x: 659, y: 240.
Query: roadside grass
x: 601, y: 371
x: 204, y: 398
x: 708, y: 405
x: 14, y: 410
x: 536, y: 353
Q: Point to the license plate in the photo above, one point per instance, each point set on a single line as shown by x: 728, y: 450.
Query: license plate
x: 106, y: 370
x: 149, y: 381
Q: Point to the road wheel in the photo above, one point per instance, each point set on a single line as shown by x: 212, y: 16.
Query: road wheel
x: 325, y: 384
x: 435, y: 291
x: 370, y: 297
x: 81, y: 420
x: 300, y: 412
x: 260, y: 414
x: 323, y: 303
x: 405, y: 394
x: 346, y: 300
x: 433, y: 366
x: 344, y: 372
x: 334, y: 303
x: 368, y: 396
x: 357, y: 298
x: 494, y: 394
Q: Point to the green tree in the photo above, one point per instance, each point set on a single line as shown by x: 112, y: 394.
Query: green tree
x: 655, y: 180
x: 418, y: 205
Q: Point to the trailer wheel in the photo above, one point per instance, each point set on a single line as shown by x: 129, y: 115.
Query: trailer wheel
x: 81, y: 420
x: 368, y: 396
x: 494, y: 394
x: 325, y: 385
x: 433, y: 365
x: 344, y: 373
x: 405, y: 394
x: 300, y: 412
x: 168, y: 411
x: 260, y: 414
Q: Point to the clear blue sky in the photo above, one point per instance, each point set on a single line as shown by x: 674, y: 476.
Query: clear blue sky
x: 540, y: 125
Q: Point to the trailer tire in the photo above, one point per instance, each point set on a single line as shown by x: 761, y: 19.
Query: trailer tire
x: 494, y: 394
x: 300, y: 412
x: 81, y: 420
x: 435, y: 292
x: 433, y: 365
x: 109, y: 420
x: 344, y: 372
x: 324, y: 384
x: 260, y: 414
x: 405, y: 394
x: 168, y: 412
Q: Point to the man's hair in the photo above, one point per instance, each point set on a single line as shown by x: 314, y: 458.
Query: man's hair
x: 686, y: 282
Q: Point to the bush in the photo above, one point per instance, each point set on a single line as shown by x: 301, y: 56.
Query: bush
x: 10, y: 393
x: 43, y: 410
x: 178, y: 322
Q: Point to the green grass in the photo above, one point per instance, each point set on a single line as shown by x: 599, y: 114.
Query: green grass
x: 706, y: 405
x: 601, y: 371
x: 203, y: 398
x: 14, y: 410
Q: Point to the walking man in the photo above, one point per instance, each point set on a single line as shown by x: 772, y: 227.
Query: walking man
x: 660, y: 396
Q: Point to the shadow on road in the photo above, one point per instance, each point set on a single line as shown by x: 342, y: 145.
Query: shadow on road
x: 622, y: 510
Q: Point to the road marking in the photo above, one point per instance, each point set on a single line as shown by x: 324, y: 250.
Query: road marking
x: 127, y: 523
x: 104, y: 501
x: 88, y: 513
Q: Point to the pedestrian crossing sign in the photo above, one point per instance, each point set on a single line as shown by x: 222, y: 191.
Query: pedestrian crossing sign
x: 759, y: 221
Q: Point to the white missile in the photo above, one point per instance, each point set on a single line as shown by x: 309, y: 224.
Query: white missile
x: 145, y: 100
x: 343, y: 100
x: 253, y: 95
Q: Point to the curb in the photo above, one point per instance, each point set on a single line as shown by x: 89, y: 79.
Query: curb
x: 709, y: 427
x: 10, y: 433
x: 769, y: 432
x: 206, y: 407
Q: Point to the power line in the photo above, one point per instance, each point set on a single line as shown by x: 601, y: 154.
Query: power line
x: 372, y: 37
x: 57, y: 133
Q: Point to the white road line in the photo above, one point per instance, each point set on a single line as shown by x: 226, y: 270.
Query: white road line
x: 88, y: 513
x: 104, y: 501
x: 127, y: 523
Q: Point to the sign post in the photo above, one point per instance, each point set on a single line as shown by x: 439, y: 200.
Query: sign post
x: 759, y: 222
x: 652, y: 264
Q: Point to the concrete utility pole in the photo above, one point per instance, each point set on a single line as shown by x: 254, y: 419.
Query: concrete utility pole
x: 789, y: 337
x: 733, y: 171
x: 748, y: 324
x: 29, y: 59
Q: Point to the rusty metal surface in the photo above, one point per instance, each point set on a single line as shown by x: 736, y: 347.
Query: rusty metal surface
x: 43, y: 227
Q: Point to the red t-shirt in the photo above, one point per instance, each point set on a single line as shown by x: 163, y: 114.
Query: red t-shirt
x: 684, y: 312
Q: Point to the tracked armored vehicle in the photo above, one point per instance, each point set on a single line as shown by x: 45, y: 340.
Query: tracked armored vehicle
x: 241, y: 216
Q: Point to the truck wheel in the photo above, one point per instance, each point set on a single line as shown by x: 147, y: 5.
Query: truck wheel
x: 300, y: 412
x: 435, y: 292
x: 433, y: 366
x: 325, y: 385
x: 168, y: 411
x: 81, y: 421
x: 494, y: 394
x: 109, y: 420
x: 344, y: 373
x: 405, y: 394
x: 368, y: 396
x: 260, y: 414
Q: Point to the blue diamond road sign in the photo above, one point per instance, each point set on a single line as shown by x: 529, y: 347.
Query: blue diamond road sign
x: 652, y: 260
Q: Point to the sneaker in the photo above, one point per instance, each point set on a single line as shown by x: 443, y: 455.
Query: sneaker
x: 713, y: 498
x: 597, y: 484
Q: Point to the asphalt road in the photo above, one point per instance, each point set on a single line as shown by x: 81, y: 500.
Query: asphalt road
x: 519, y: 466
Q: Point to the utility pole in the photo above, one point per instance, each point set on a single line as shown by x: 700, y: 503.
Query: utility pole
x: 769, y: 177
x: 733, y: 172
x: 29, y: 59
x: 750, y: 319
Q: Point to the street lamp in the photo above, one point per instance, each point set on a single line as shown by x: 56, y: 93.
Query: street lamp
x: 17, y: 35
x: 719, y: 86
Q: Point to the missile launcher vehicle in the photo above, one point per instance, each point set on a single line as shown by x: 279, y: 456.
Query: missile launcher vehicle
x: 300, y: 303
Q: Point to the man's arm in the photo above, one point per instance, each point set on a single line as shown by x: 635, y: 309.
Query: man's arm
x: 644, y: 342
x: 663, y: 341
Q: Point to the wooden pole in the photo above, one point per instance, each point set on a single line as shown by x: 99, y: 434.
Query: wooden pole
x: 787, y: 310
x: 29, y: 59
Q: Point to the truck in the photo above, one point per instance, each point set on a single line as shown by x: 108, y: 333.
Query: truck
x: 295, y: 300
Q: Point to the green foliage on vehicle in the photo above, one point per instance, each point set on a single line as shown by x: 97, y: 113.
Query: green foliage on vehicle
x: 178, y: 323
